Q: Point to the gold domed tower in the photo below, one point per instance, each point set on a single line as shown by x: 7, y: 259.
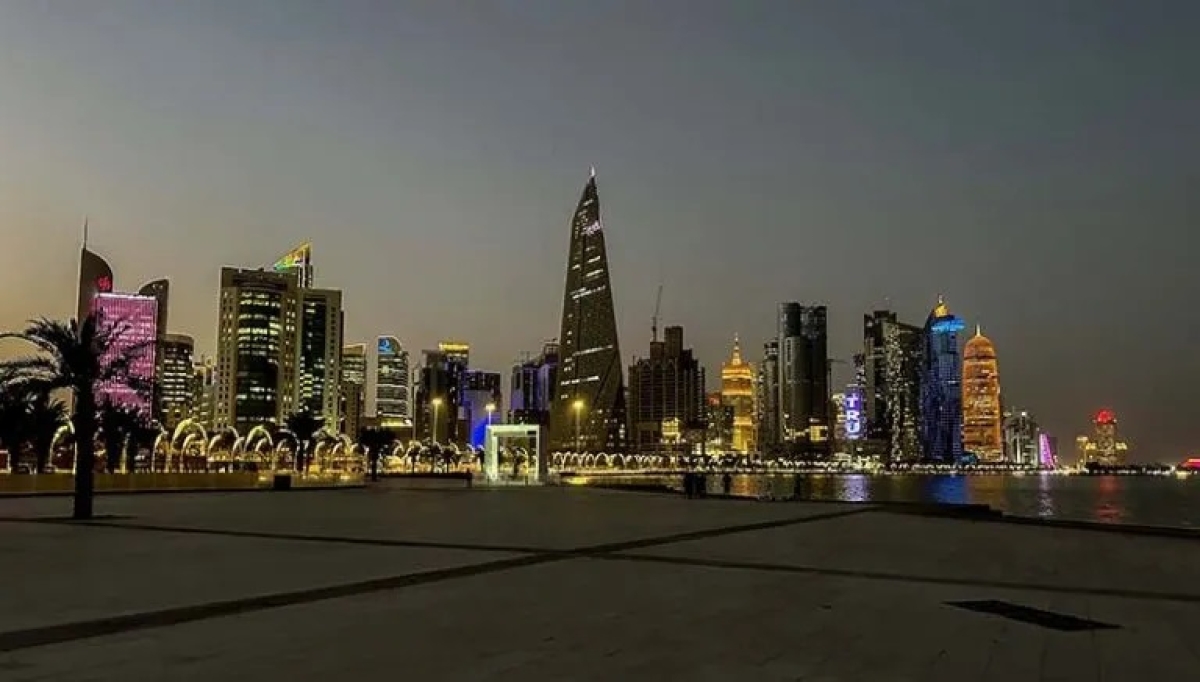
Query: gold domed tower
x: 737, y: 391
x: 982, y: 428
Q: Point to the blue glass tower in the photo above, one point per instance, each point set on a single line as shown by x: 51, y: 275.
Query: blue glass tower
x: 941, y: 388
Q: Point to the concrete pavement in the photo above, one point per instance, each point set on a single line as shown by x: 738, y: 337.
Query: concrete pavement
x: 576, y: 583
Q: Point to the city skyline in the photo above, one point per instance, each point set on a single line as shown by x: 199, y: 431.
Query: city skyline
x: 1016, y: 213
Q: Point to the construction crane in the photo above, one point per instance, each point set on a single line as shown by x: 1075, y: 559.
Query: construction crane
x: 654, y: 320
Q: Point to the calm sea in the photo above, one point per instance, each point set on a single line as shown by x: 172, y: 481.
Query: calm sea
x: 1140, y: 500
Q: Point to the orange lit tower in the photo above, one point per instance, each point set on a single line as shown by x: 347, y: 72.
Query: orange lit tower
x: 982, y: 418
x: 737, y: 391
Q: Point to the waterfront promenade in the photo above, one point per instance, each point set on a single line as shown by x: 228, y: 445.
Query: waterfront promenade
x: 565, y: 583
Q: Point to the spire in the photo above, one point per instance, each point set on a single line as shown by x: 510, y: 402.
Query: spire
x: 737, y: 351
x: 85, y: 231
x: 978, y: 330
x: 941, y: 310
x: 593, y: 171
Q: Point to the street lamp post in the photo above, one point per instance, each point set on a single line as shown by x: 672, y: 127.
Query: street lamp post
x: 437, y: 402
x: 578, y: 412
x: 490, y: 407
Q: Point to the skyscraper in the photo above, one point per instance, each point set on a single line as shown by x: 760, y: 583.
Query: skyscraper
x: 590, y: 386
x: 479, y: 391
x: 768, y: 399
x: 160, y: 291
x: 177, y: 369
x: 436, y: 398
x: 941, y: 390
x: 257, y: 355
x: 666, y: 397
x: 737, y: 392
x: 981, y: 400
x: 1020, y: 437
x: 95, y: 277
x: 320, y: 354
x: 804, y: 378
x: 532, y: 387
x: 387, y: 387
x: 353, y: 388
x: 133, y: 323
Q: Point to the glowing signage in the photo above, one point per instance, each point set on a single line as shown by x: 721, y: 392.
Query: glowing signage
x: 104, y: 284
x: 852, y: 406
x: 385, y: 346
x: 298, y: 257
x: 946, y: 325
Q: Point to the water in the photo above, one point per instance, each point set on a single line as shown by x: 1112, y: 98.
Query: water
x: 1137, y: 500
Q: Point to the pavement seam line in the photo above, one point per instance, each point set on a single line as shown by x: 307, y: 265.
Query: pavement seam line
x: 1142, y: 595
x: 16, y: 640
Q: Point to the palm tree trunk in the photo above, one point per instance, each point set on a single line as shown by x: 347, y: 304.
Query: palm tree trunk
x: 85, y: 453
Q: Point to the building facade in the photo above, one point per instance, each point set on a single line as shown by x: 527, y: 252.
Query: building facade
x: 804, y: 398
x: 768, y: 400
x: 320, y: 354
x: 532, y: 387
x: 590, y: 387
x: 482, y: 403
x: 437, y: 401
x: 176, y: 393
x: 131, y: 321
x: 666, y: 397
x: 982, y: 417
x: 738, y: 392
x: 941, y: 388
x: 257, y: 354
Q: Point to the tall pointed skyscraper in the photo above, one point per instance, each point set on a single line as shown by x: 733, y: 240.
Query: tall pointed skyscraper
x: 589, y: 397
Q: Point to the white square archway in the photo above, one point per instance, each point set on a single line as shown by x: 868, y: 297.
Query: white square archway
x: 491, y: 449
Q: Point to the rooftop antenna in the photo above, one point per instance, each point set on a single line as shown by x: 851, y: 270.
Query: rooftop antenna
x: 654, y: 320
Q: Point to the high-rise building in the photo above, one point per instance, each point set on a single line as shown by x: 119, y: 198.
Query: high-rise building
x: 482, y: 403
x: 590, y: 387
x: 982, y: 417
x: 666, y: 396
x: 320, y: 354
x: 720, y: 417
x: 353, y: 388
x: 737, y: 391
x: 257, y: 348
x: 387, y: 388
x: 177, y: 365
x: 941, y: 389
x: 437, y: 400
x: 160, y: 291
x: 892, y: 385
x: 204, y: 391
x: 804, y: 378
x: 133, y: 322
x: 768, y: 399
x: 532, y: 387
x: 95, y: 277
x: 297, y: 263
x: 1020, y: 431
x: 1104, y: 447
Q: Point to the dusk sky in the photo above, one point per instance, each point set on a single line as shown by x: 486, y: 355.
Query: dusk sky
x: 1038, y: 163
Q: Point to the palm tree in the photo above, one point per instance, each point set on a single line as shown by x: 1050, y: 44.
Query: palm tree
x: 77, y: 356
x: 14, y: 424
x: 375, y: 441
x: 46, y: 416
x: 117, y: 423
x: 303, y: 425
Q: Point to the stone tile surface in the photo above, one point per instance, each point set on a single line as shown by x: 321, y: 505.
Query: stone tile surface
x: 831, y: 599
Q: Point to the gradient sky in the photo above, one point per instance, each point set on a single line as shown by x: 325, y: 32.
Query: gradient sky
x: 1036, y: 162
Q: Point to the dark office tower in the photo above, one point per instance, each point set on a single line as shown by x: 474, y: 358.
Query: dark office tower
x: 320, y: 349
x: 804, y: 379
x: 437, y: 399
x: 257, y: 336
x: 176, y: 394
x: 590, y: 391
x: 532, y: 387
x: 941, y: 388
x: 160, y: 291
x: 891, y: 385
x: 768, y: 399
x: 666, y: 397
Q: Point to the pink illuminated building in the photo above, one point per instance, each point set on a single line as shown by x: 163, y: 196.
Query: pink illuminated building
x: 135, y: 319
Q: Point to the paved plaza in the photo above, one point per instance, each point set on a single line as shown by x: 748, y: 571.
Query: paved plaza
x: 571, y: 583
